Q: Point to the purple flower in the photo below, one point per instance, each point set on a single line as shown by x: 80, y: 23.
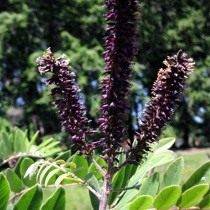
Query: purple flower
x: 71, y: 111
x: 166, y: 93
x: 120, y: 48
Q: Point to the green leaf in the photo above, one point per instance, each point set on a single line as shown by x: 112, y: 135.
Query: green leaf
x: 173, y: 174
x: 49, y: 147
x: 15, y: 182
x: 20, y: 142
x: 17, y: 167
x: 150, y: 185
x: 45, y: 143
x: 40, y: 170
x: 142, y: 202
x: 44, y: 173
x: 56, y: 201
x: 93, y: 182
x: 67, y: 179
x: 33, y: 138
x: 94, y: 201
x: 64, y: 155
x: 152, y: 161
x: 30, y: 200
x: 197, y: 176
x: 5, y: 191
x: 193, y: 195
x: 82, y: 166
x: 167, y: 197
x: 24, y: 165
x: 129, y: 172
x: 159, y: 159
x: 51, y: 177
x: 164, y: 144
x: 117, y: 183
x: 6, y: 145
x: 205, y: 203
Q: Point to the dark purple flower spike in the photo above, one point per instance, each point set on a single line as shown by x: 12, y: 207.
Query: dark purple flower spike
x: 120, y: 48
x: 71, y: 111
x: 166, y: 93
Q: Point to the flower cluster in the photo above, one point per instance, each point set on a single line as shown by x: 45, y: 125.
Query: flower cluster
x: 120, y: 47
x: 71, y: 111
x: 166, y: 93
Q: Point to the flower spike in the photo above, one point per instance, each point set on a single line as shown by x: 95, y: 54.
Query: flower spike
x: 71, y: 111
x: 120, y: 48
x: 166, y: 93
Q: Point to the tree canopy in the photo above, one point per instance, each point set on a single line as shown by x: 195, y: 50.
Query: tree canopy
x: 76, y: 28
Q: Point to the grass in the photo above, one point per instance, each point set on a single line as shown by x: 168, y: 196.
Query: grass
x: 77, y: 198
x: 193, y: 159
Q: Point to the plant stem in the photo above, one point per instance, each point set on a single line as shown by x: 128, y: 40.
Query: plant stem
x: 104, y: 197
x: 94, y: 192
x: 99, y: 168
x: 127, y: 188
x: 103, y: 205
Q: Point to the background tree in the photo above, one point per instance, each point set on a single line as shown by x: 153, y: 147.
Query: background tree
x: 76, y: 27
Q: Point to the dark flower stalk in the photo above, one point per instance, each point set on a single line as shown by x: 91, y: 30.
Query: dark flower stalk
x: 120, y: 47
x: 71, y: 112
x: 166, y: 93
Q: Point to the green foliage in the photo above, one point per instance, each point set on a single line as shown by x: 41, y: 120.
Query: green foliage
x: 5, y: 192
x: 31, y: 199
x: 193, y: 195
x: 164, y: 186
x: 121, y: 179
x: 14, y: 180
x: 117, y: 183
x: 134, y: 188
x: 160, y: 156
x: 197, y: 176
x: 167, y: 197
x: 150, y: 185
x: 142, y: 202
x: 173, y: 173
x: 94, y: 183
x: 82, y: 166
x: 56, y: 201
x: 24, y: 165
x: 48, y: 147
x: 55, y: 173
x: 15, y: 141
x: 57, y: 25
x: 205, y: 203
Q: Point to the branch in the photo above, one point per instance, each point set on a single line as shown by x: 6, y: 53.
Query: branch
x: 98, y: 195
x: 99, y: 168
x: 127, y: 188
x: 12, y: 160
